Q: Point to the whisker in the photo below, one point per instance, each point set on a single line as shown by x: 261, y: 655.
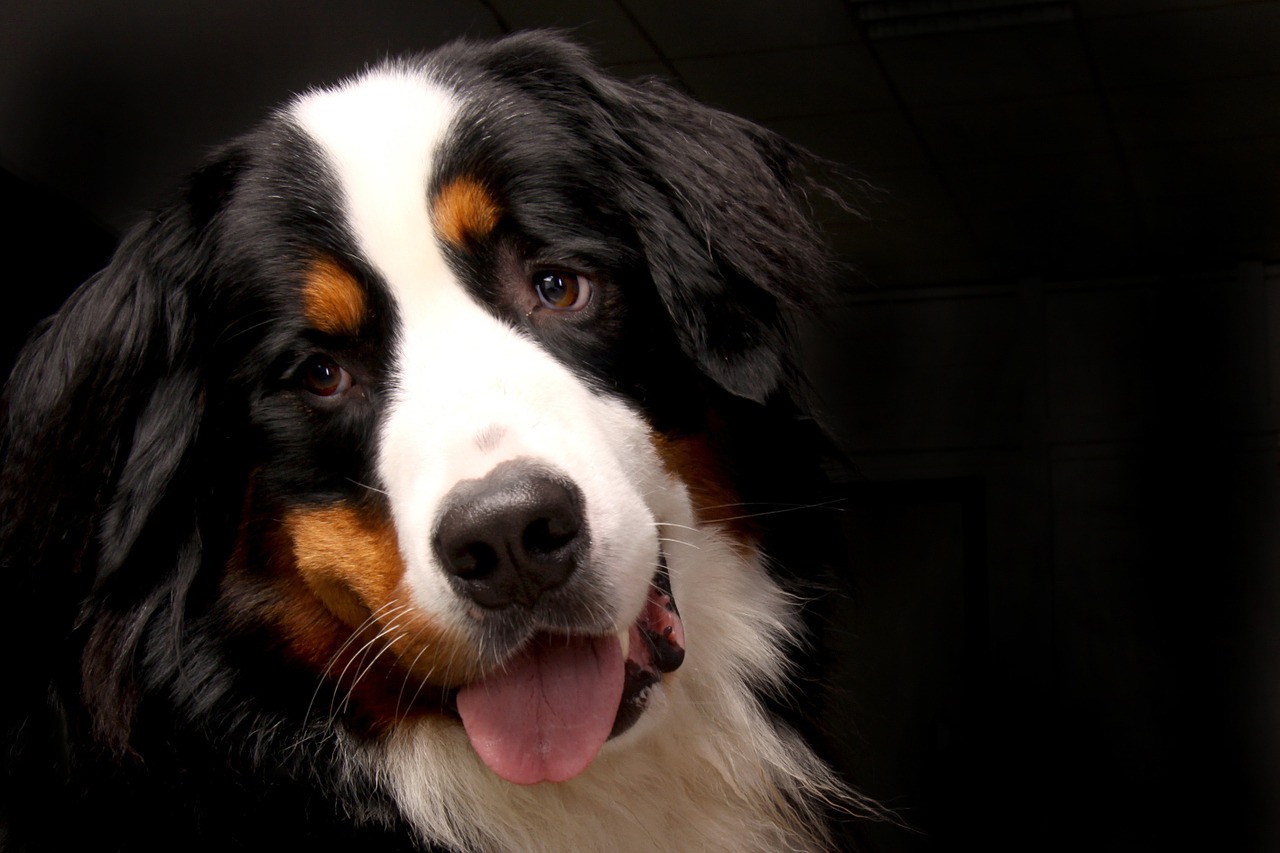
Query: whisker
x: 387, y: 608
x: 422, y: 682
x: 775, y: 508
x: 408, y: 673
x: 328, y: 667
x: 675, y: 541
x: 346, y: 702
x: 231, y: 333
x: 688, y: 527
x: 366, y: 486
x: 364, y: 650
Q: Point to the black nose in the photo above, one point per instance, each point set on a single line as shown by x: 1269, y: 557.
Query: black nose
x: 511, y: 535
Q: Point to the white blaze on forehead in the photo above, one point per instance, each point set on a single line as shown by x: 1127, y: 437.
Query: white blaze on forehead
x: 380, y: 132
x: 457, y: 370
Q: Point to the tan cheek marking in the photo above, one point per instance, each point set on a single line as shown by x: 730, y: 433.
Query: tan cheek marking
x: 463, y: 212
x: 332, y: 301
x: 262, y: 588
x: 350, y: 561
x: 716, y: 503
x: 325, y: 586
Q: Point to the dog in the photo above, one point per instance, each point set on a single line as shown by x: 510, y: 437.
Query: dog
x: 405, y: 483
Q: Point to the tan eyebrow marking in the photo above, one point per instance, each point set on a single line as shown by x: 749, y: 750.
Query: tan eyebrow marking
x: 332, y: 300
x: 463, y: 212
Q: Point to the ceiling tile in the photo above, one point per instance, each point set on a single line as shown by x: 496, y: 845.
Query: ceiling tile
x: 1036, y: 184
x: 911, y: 234
x: 1053, y: 124
x: 873, y: 358
x: 1112, y: 8
x: 915, y: 252
x: 683, y: 29
x: 1199, y: 167
x: 1212, y: 110
x: 973, y: 66
x: 1065, y: 214
x: 1190, y: 45
x: 604, y: 27
x: 110, y: 104
x: 808, y: 81
x: 866, y: 142
x: 651, y: 68
x: 906, y: 194
x: 1097, y: 344
x: 1221, y: 194
x: 1218, y: 228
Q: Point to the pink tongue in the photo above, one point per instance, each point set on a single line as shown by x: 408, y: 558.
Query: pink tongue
x: 545, y: 715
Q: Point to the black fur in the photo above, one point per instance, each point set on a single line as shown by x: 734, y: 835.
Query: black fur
x: 717, y: 207
x: 138, y: 710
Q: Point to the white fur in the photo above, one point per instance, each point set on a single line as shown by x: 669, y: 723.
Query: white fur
x: 705, y: 767
x: 460, y: 373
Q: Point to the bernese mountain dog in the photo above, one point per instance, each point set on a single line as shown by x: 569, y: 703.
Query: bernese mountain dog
x: 410, y: 482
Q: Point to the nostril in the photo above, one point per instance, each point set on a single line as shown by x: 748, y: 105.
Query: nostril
x: 511, y: 535
x: 472, y: 560
x: 545, y: 536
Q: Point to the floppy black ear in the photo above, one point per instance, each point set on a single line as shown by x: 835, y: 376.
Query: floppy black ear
x: 720, y: 205
x: 100, y: 410
x: 723, y: 211
x: 99, y: 416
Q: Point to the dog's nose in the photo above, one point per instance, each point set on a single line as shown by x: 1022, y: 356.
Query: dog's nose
x: 511, y: 535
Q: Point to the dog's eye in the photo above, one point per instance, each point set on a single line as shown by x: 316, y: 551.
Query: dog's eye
x: 561, y: 290
x: 324, y: 377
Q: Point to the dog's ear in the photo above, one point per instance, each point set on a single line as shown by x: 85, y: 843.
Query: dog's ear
x: 100, y: 478
x: 722, y: 207
x: 104, y: 403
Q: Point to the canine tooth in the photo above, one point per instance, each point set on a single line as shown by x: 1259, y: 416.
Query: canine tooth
x: 624, y: 637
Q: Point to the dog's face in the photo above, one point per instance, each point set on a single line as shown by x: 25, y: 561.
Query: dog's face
x: 479, y: 432
x: 416, y: 412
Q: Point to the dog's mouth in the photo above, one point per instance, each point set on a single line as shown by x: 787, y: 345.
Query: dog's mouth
x: 545, y: 714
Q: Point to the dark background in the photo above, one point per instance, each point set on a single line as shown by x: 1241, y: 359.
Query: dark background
x: 1057, y: 366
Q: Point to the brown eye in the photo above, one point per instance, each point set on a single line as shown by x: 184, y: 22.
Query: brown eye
x: 561, y: 290
x: 324, y: 377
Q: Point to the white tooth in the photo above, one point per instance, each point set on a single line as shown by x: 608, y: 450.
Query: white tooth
x: 624, y: 637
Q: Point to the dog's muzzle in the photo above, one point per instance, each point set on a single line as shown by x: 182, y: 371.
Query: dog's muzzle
x: 515, y: 544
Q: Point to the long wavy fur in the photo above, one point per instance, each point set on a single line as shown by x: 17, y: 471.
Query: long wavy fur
x: 127, y: 456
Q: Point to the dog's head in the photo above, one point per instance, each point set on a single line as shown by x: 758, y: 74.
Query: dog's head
x: 412, y: 393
